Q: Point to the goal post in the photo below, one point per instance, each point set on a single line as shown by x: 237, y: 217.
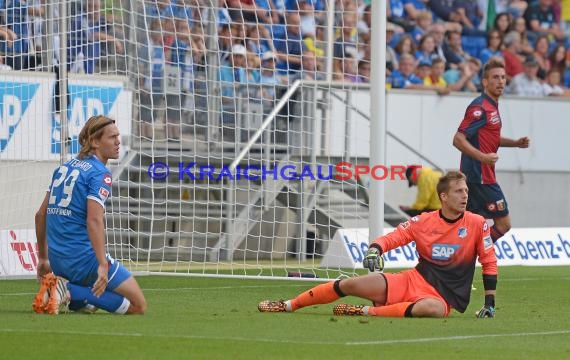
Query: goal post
x: 242, y: 129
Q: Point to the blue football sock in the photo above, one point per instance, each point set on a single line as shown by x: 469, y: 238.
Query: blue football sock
x: 108, y: 301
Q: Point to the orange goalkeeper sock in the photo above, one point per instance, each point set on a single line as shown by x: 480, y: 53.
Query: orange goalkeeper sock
x: 320, y: 294
x: 403, y: 309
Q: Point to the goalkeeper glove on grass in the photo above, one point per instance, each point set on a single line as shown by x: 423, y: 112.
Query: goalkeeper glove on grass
x: 486, y: 312
x: 373, y: 260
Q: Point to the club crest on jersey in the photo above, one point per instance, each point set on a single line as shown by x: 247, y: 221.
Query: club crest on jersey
x: 485, y: 226
x: 462, y: 232
x: 415, y: 219
x: 107, y: 179
x: 492, y: 207
x: 103, y: 193
x: 405, y: 224
x: 501, y: 205
x: 443, y: 251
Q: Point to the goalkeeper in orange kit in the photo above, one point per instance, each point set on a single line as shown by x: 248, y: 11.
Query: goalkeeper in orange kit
x: 448, y: 241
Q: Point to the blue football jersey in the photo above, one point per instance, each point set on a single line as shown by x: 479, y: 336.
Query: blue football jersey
x: 72, y: 185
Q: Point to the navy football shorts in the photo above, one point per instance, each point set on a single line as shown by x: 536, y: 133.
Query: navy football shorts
x: 487, y: 200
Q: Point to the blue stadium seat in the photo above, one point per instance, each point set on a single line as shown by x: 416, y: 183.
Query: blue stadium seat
x: 473, y: 44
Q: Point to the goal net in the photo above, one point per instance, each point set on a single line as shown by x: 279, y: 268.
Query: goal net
x: 242, y: 125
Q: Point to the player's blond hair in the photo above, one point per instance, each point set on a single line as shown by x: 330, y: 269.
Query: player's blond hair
x: 92, y: 130
x: 444, y: 182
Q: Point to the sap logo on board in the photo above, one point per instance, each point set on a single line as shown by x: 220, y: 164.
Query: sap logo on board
x: 15, y: 98
x: 85, y: 101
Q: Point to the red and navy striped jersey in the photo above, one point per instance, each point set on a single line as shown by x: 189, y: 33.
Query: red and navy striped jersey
x: 482, y: 128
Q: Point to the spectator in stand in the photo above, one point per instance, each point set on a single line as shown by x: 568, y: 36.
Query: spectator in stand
x: 8, y: 38
x: 541, y: 47
x: 88, y: 32
x: 465, y: 77
x: 527, y: 82
x: 552, y: 85
x: 503, y: 23
x: 438, y: 32
x: 268, y: 76
x: 514, y: 7
x: 406, y: 45
x: 423, y: 70
x: 453, y: 50
x: 414, y: 8
x: 179, y: 94
x: 396, y: 15
x: 16, y: 14
x: 423, y: 24
x: 234, y: 73
x: 435, y: 77
x: 364, y: 70
x: 248, y: 11
x: 445, y: 10
x: 350, y: 69
x: 309, y: 68
x: 308, y: 19
x: 557, y: 59
x: 519, y: 25
x: 513, y: 62
x: 391, y: 56
x: 271, y: 11
x: 540, y: 20
x: 494, y: 46
x: 258, y: 40
x: 152, y: 63
x: 469, y: 16
x: 426, y: 51
x: 288, y: 43
x: 405, y: 77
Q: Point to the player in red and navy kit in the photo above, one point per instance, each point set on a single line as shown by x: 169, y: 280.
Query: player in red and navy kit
x: 71, y: 234
x: 448, y: 242
x: 479, y: 138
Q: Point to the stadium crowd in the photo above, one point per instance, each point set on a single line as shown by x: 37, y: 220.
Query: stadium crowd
x: 437, y: 45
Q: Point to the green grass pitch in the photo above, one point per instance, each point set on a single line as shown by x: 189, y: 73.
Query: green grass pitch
x: 207, y: 318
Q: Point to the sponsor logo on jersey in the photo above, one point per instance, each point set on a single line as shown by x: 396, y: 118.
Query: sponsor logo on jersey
x: 462, y: 232
x: 495, y: 119
x: 477, y: 113
x: 501, y: 205
x: 487, y: 242
x: 103, y: 193
x: 443, y: 251
x: 107, y: 179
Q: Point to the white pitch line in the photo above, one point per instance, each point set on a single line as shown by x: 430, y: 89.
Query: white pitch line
x: 455, y: 338
x: 166, y: 336
x: 281, y: 341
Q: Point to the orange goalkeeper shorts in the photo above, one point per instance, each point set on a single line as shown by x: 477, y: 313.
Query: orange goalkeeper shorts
x: 410, y: 286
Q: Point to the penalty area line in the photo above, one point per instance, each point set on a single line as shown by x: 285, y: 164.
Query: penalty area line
x: 456, y: 338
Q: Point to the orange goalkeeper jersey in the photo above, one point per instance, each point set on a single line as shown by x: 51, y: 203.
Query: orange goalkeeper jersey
x: 447, y: 251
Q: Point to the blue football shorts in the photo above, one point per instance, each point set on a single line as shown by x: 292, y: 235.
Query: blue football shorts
x: 487, y: 200
x: 83, y: 271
